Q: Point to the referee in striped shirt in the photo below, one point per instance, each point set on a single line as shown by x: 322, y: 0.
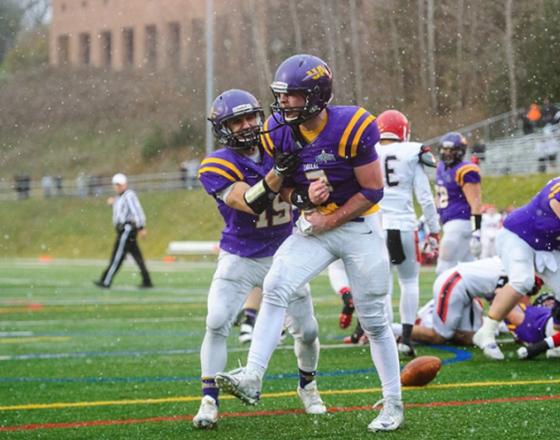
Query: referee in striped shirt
x: 129, y: 220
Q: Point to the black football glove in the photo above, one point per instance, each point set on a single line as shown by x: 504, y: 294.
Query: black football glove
x: 285, y: 163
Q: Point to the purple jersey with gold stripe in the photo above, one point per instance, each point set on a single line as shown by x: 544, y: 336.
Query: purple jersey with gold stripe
x: 347, y: 140
x: 246, y: 235
x: 535, y: 222
x: 452, y: 203
x: 533, y: 327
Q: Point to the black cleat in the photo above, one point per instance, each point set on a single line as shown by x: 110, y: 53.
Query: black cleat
x: 101, y: 285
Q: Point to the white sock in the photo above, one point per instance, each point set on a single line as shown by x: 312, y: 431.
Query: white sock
x: 386, y: 360
x: 213, y: 354
x: 490, y: 326
x: 410, y: 293
x: 266, y: 337
x: 307, y: 355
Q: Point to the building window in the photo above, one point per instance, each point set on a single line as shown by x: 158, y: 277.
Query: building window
x: 151, y: 46
x: 85, y: 48
x: 84, y: 3
x: 63, y: 7
x: 106, y: 49
x: 174, y: 45
x: 128, y: 47
x: 63, y: 49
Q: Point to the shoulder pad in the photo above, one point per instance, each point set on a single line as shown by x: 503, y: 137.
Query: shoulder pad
x: 426, y: 157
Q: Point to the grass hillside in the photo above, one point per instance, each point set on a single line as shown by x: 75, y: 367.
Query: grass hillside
x: 81, y: 228
x: 90, y: 121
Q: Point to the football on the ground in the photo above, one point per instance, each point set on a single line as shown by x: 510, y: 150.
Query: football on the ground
x: 420, y: 371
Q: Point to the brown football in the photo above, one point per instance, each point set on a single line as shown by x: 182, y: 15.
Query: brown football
x: 420, y: 371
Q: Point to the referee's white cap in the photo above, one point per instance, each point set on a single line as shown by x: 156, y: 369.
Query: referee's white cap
x: 119, y: 179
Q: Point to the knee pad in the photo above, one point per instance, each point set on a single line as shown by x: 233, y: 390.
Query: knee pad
x: 376, y: 331
x: 219, y: 322
x: 309, y: 331
x: 371, y: 310
x: 276, y: 291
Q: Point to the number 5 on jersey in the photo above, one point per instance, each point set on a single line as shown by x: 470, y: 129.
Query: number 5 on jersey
x: 275, y: 215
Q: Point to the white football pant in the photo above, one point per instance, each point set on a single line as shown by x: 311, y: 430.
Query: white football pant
x: 455, y: 245
x: 233, y: 280
x: 521, y: 262
x: 361, y: 246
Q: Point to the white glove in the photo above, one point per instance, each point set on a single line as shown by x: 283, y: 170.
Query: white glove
x: 475, y: 245
x: 303, y: 225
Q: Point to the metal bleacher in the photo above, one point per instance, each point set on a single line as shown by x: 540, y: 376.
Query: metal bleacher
x: 507, y: 149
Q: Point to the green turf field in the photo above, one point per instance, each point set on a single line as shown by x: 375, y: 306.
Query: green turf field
x: 79, y: 362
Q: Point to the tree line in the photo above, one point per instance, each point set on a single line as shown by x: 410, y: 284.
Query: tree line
x: 432, y: 57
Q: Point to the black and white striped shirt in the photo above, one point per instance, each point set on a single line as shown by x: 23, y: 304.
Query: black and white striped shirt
x: 127, y: 209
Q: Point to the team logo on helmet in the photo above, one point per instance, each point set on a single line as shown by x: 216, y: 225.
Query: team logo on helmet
x: 308, y: 76
x: 318, y: 72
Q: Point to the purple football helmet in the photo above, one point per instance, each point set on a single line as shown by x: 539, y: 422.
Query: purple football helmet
x: 308, y: 75
x: 233, y: 104
x: 453, y: 147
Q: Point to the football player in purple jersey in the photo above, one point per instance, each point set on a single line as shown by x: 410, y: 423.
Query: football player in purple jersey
x: 533, y: 325
x: 337, y: 185
x: 244, y: 180
x: 459, y: 203
x: 528, y: 243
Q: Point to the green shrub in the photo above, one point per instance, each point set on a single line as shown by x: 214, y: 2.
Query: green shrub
x: 32, y: 50
x: 154, y: 143
x: 186, y: 135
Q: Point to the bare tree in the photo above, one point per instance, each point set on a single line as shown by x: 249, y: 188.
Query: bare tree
x: 329, y: 30
x: 35, y: 12
x: 460, y: 61
x: 398, y: 70
x: 356, y: 53
x: 341, y: 62
x: 422, y: 43
x: 510, y: 54
x: 258, y: 27
x: 432, y: 57
x: 297, y: 28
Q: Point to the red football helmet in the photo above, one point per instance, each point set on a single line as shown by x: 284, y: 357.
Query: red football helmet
x: 393, y: 125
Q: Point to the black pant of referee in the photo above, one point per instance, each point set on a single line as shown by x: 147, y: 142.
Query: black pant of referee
x: 126, y: 242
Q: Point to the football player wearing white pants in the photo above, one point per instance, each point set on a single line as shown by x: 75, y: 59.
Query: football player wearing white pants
x: 527, y: 244
x: 404, y: 175
x: 455, y: 312
x: 403, y: 165
x: 459, y: 203
x: 244, y: 180
x: 337, y: 185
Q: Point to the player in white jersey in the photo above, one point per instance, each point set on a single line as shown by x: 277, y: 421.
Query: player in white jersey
x: 403, y: 169
x: 455, y: 311
x: 403, y: 164
x: 491, y: 224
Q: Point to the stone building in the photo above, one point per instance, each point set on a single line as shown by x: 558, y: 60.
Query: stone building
x: 120, y: 34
